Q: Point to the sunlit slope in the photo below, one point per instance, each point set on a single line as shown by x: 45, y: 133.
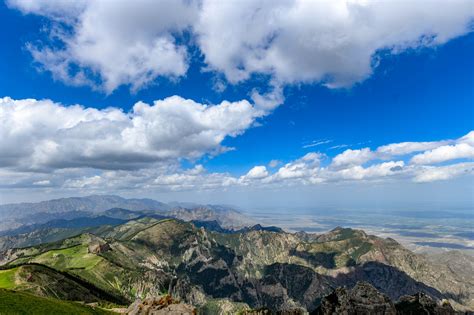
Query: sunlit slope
x: 14, y: 302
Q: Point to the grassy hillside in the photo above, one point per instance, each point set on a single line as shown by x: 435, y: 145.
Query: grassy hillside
x: 13, y: 302
x: 47, y: 282
x: 7, y: 278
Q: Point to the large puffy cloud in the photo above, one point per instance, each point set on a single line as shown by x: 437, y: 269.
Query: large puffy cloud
x: 115, y: 42
x: 333, y: 41
x: 56, y: 136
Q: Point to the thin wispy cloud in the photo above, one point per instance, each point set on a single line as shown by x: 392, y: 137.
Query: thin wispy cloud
x: 316, y: 143
x: 339, y: 146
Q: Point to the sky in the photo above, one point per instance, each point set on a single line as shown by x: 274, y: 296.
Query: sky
x: 251, y: 103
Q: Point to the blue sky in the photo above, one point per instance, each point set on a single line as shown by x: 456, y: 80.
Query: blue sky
x: 411, y: 91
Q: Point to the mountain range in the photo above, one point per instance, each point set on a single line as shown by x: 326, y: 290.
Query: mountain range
x: 142, y: 256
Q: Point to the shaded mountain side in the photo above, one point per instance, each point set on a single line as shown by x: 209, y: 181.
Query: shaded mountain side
x: 80, y: 222
x: 387, y: 279
x: 273, y: 269
x: 37, y: 237
x: 436, y: 275
x: 214, y: 226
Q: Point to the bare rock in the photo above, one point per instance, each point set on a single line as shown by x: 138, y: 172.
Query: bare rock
x: 160, y: 305
x: 362, y: 299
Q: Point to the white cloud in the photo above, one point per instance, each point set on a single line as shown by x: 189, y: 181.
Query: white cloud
x: 257, y: 172
x: 274, y: 163
x: 57, y: 136
x: 374, y: 171
x: 316, y: 143
x: 353, y: 157
x: 300, y: 168
x: 433, y: 152
x: 42, y: 183
x: 432, y: 173
x: 122, y: 42
x: 167, y: 175
x: 445, y: 153
x: 403, y: 148
x: 469, y: 139
x: 270, y: 100
x: 331, y: 41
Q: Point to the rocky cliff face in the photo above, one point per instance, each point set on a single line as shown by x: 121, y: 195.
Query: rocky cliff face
x: 361, y: 299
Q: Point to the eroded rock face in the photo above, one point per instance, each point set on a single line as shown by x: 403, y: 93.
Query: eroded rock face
x: 362, y: 299
x: 98, y: 248
x: 365, y: 299
x: 422, y: 304
x: 160, y: 305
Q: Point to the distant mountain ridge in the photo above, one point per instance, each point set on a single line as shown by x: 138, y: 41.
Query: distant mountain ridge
x: 16, y: 215
x: 93, y: 203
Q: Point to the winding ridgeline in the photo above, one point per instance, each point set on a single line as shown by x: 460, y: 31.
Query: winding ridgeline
x: 192, y: 259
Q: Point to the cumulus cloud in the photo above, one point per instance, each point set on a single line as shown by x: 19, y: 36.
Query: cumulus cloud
x: 445, y: 153
x: 329, y: 41
x: 358, y: 172
x: 257, y: 172
x: 57, y: 136
x: 431, y: 173
x: 353, y: 157
x: 300, y: 168
x: 334, y: 42
x: 432, y: 152
x: 115, y: 42
x: 36, y: 171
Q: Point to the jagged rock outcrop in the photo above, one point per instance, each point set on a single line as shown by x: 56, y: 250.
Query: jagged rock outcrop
x: 362, y: 299
x: 365, y: 299
x: 160, y: 306
x: 422, y: 304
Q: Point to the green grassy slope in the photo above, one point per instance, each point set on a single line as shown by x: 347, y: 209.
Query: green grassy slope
x: 7, y: 278
x: 47, y: 282
x: 13, y: 302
